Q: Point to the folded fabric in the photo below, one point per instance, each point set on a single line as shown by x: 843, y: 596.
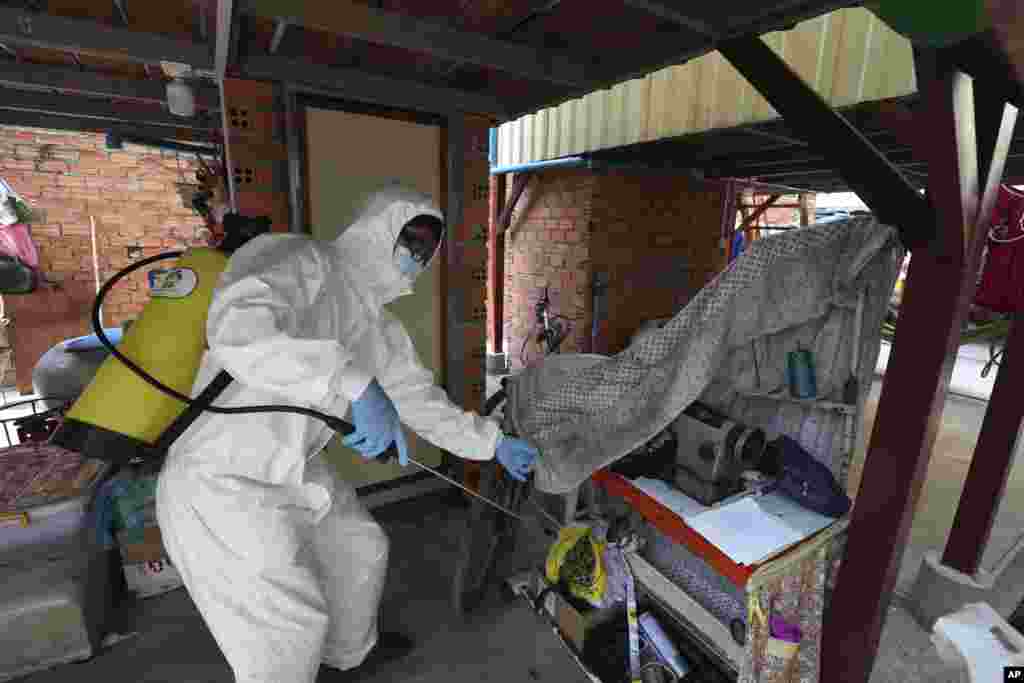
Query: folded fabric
x: 809, y: 482
x: 783, y: 630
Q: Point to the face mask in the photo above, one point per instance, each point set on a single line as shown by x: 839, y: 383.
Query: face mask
x: 407, y: 265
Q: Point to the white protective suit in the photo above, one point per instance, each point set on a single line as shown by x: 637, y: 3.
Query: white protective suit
x: 280, y: 557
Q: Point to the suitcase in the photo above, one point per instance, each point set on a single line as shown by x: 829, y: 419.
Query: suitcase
x: 56, y: 587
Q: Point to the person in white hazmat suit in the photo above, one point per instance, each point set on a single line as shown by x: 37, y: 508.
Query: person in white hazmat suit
x: 280, y: 557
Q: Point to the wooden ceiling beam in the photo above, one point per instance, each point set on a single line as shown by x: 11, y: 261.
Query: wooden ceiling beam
x: 73, y: 81
x: 663, y: 11
x: 85, y: 107
x: 358, y: 85
x: 50, y: 32
x: 377, y: 26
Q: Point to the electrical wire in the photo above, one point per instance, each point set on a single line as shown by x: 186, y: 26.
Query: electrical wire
x: 334, y: 423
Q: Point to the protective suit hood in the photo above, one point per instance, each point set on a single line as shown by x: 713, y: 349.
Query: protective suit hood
x: 366, y: 247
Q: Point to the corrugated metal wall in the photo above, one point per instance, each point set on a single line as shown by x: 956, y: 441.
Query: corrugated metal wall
x: 849, y: 56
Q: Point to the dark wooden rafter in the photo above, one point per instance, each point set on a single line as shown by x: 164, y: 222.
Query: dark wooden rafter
x: 88, y: 107
x: 664, y: 11
x: 378, y: 26
x: 358, y: 85
x: 21, y: 28
x: 74, y: 82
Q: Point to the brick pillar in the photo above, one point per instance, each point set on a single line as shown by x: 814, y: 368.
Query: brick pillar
x: 257, y: 150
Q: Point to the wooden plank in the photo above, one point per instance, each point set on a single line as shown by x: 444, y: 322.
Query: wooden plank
x: 940, y: 286
x: 42, y: 319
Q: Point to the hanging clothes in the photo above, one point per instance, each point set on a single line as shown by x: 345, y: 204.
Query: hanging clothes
x: 1001, y: 286
x: 16, y: 240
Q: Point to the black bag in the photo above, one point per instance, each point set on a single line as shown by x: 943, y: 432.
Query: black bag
x: 16, y: 276
x: 807, y: 481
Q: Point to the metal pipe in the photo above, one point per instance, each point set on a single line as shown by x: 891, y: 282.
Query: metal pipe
x: 564, y: 162
x: 116, y: 141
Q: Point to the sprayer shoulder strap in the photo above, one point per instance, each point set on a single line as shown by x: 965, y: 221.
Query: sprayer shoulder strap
x: 199, y: 404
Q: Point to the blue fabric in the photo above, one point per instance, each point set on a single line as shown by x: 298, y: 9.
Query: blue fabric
x: 517, y: 456
x: 105, y: 506
x: 739, y: 243
x: 809, y: 482
x: 377, y: 425
x: 90, y: 341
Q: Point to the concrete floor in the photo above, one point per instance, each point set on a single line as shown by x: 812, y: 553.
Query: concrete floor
x: 504, y: 640
x: 906, y: 654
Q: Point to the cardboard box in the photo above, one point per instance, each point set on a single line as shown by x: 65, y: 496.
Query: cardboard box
x: 141, y: 545
x: 147, y: 579
x: 575, y: 623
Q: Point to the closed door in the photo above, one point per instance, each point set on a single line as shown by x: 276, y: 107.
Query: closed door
x: 349, y: 156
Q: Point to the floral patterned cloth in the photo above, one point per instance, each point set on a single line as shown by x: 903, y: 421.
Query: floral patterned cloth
x: 34, y: 474
x: 792, y: 587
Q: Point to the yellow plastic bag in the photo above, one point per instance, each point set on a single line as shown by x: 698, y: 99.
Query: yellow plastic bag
x: 575, y: 560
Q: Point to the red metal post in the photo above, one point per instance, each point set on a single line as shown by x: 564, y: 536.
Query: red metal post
x: 994, y: 452
x: 496, y: 264
x: 993, y: 456
x: 940, y: 286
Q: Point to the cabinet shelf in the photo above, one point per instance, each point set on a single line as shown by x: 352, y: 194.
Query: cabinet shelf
x: 783, y: 397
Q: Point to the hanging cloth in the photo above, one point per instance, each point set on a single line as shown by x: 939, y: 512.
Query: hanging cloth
x: 16, y: 240
x: 1001, y: 286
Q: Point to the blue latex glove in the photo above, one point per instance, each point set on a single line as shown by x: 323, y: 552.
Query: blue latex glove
x: 377, y: 425
x: 516, y: 456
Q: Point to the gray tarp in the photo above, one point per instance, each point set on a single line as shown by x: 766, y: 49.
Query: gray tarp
x: 800, y: 286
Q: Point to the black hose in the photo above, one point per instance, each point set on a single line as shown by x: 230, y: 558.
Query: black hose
x: 334, y: 423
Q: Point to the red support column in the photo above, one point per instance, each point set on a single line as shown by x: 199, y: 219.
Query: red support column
x: 990, y: 466
x: 940, y: 286
x: 994, y: 452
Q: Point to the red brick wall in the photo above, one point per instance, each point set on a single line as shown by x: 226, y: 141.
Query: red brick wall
x: 67, y: 177
x: 549, y: 244
x: 655, y: 237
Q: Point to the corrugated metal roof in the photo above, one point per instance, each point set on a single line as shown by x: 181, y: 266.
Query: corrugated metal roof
x: 849, y: 56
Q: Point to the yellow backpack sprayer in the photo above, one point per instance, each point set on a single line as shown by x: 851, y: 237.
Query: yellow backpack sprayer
x: 125, y: 414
